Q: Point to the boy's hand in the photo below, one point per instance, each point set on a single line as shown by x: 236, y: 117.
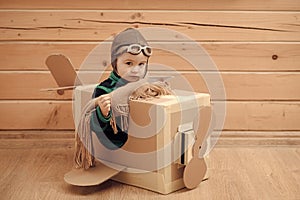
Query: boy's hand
x: 104, y: 102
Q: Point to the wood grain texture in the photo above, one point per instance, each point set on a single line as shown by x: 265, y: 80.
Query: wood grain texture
x: 100, y: 25
x: 153, y: 5
x: 254, y: 45
x: 233, y: 173
x: 238, y: 85
x: 256, y: 138
x: 36, y: 115
x: 228, y: 56
x: 263, y: 116
x: 240, y: 115
x: 32, y: 139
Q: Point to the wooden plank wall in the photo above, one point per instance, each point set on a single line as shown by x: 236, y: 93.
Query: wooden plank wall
x: 255, y: 45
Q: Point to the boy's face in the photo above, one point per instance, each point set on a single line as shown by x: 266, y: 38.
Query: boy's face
x: 132, y: 67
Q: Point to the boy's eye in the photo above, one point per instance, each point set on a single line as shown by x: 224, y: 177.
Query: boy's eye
x: 129, y: 63
x: 142, y: 64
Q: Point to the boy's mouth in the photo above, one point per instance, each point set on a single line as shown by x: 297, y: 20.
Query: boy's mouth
x: 134, y: 78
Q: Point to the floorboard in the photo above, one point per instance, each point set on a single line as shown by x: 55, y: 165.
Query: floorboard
x: 233, y: 173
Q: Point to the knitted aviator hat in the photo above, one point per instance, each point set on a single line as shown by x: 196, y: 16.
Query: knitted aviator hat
x: 125, y: 38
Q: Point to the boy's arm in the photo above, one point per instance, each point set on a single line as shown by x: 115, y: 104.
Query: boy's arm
x: 99, y: 122
x: 101, y: 126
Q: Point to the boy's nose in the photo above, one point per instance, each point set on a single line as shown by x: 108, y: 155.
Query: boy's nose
x: 135, y: 69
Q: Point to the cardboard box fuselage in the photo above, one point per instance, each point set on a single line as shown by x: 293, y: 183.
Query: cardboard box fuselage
x: 152, y: 152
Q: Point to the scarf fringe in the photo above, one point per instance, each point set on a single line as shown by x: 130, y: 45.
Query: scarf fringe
x: 83, y: 157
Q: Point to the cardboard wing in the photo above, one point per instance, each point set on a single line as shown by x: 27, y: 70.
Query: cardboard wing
x: 92, y: 176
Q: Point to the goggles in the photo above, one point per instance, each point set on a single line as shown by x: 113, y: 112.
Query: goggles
x: 136, y: 49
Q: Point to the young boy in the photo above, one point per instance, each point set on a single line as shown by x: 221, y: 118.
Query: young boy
x: 129, y: 58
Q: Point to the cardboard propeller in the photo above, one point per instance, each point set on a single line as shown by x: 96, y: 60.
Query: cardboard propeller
x: 197, y: 165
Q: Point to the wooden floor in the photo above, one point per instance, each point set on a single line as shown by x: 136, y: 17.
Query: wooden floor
x: 234, y: 173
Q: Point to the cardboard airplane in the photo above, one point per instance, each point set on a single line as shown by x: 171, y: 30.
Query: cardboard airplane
x: 188, y: 170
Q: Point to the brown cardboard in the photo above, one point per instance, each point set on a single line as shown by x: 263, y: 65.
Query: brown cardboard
x: 92, y: 176
x: 166, y: 108
x: 63, y: 72
x: 197, y: 165
x: 194, y: 172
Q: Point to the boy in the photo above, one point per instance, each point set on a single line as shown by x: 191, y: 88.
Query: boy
x: 129, y: 58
